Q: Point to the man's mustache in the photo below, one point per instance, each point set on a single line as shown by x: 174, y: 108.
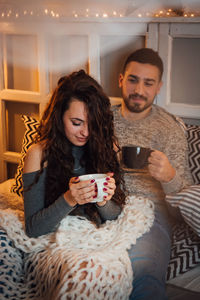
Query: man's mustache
x: 137, y: 96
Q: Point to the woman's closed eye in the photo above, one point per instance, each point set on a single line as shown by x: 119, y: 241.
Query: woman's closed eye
x: 76, y: 123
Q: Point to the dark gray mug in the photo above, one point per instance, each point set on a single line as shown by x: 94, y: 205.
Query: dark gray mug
x: 135, y: 157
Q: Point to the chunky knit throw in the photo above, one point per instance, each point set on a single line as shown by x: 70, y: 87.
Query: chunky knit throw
x: 78, y: 261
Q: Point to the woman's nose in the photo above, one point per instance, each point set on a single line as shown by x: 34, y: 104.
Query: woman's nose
x: 84, y: 130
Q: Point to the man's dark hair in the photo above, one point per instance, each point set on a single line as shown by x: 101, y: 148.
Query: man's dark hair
x: 145, y: 56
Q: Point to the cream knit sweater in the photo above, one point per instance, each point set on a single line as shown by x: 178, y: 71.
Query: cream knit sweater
x: 161, y: 131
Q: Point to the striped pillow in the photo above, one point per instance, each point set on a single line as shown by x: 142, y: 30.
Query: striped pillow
x: 188, y: 202
x: 31, y: 125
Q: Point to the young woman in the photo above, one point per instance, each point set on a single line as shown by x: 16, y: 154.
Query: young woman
x: 75, y: 137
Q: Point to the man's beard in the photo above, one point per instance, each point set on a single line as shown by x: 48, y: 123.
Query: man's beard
x: 135, y: 107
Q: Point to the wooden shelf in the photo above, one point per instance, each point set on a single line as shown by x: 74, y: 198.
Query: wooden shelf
x: 12, y: 157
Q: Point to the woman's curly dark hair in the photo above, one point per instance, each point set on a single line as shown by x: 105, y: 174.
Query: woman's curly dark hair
x: 100, y: 155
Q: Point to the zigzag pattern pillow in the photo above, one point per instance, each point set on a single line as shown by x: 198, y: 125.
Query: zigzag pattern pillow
x: 185, y: 251
x: 188, y: 200
x: 31, y: 125
x: 193, y: 137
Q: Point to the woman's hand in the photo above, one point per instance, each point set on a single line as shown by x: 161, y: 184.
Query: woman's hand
x: 80, y: 192
x: 109, y: 188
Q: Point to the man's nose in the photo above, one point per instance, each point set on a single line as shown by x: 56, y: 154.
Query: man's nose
x: 139, y: 88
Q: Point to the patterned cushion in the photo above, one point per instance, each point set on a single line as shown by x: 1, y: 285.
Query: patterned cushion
x: 188, y: 202
x: 11, y: 268
x: 193, y: 136
x: 185, y: 253
x: 185, y: 250
x: 31, y: 125
x: 188, y: 199
x: 13, y: 285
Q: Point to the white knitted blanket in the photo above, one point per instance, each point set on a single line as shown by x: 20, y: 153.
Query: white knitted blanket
x: 79, y: 261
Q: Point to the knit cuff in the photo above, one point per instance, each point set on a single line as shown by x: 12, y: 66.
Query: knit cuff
x: 173, y: 186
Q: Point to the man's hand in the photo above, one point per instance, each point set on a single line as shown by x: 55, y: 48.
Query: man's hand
x: 160, y: 167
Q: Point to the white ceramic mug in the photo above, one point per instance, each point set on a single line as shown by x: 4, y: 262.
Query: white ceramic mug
x: 99, y: 180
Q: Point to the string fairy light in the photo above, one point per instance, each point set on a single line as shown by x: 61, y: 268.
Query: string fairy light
x: 90, y: 13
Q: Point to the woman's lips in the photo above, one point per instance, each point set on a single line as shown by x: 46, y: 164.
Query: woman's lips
x: 82, y: 139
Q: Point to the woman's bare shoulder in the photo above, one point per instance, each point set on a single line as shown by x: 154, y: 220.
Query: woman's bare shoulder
x: 33, y: 158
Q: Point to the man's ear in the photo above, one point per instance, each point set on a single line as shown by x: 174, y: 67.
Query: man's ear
x: 120, y: 79
x: 159, y: 86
